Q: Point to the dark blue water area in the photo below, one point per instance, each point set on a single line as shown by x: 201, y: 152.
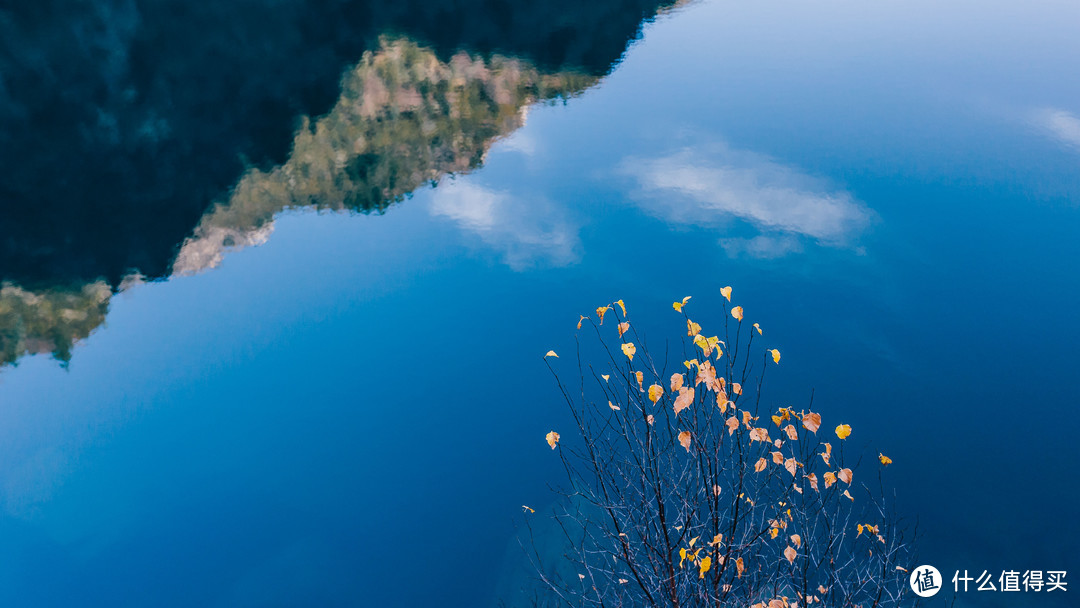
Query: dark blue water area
x: 354, y: 412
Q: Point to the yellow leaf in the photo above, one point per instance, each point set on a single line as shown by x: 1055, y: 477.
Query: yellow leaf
x: 757, y: 326
x: 759, y: 434
x: 613, y: 406
x: 777, y: 458
x: 760, y: 465
x: 579, y: 321
x: 830, y: 478
x: 726, y: 292
x: 860, y: 528
x: 528, y: 509
x: 677, y: 381
x: 774, y: 532
x: 791, y: 465
x: 736, y: 388
x: 623, y: 327
x: 885, y: 460
x: 640, y: 381
x: 685, y: 398
x: 623, y: 581
x: 845, y: 475
x: 790, y: 430
x: 812, y: 478
x: 678, y: 305
x: 775, y: 355
x: 684, y: 439
x: 777, y: 420
x: 719, y: 538
x: 692, y: 541
x: 848, y: 494
x: 605, y: 377
x: 629, y: 349
x: 706, y: 563
x: 622, y: 306
x: 553, y: 439
x: 737, y: 313
x: 843, y: 431
x: 739, y: 567
x: 732, y: 424
x: 797, y: 540
x: 790, y: 554
x: 601, y: 311
x: 812, y: 421
x: 655, y: 392
x: 692, y: 329
x: 682, y: 556
x: 551, y: 353
x: 690, y: 363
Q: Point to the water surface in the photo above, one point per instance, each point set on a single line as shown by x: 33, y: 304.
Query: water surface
x: 326, y: 387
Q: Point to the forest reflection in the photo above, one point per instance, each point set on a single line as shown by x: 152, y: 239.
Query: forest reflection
x: 411, y: 111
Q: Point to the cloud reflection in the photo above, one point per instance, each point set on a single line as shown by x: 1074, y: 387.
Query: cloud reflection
x: 1059, y: 124
x: 527, y: 232
x: 714, y: 185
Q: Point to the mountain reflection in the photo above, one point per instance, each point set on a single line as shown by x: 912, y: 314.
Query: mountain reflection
x: 145, y: 138
x: 405, y: 118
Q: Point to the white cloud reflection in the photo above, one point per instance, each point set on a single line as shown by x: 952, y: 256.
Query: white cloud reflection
x: 713, y: 185
x: 526, y: 231
x: 1059, y: 124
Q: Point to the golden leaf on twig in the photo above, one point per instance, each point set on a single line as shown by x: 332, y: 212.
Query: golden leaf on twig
x: 684, y: 439
x: 726, y: 292
x: 552, y: 439
x: 812, y: 421
x: 629, y: 349
x: 737, y: 312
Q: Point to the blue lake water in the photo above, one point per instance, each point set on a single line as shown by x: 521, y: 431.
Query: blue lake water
x: 312, y: 406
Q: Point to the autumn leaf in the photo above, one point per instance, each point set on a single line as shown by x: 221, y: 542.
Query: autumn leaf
x: 791, y: 465
x: 605, y: 377
x: 844, y: 475
x: 843, y: 431
x: 812, y: 478
x: 613, y: 406
x: 629, y: 349
x: 790, y: 554
x: 678, y: 305
x: 797, y: 540
x: 622, y: 306
x: 775, y: 355
x: 777, y: 420
x: 757, y: 326
x: 582, y: 319
x: 777, y: 458
x: 528, y: 509
x: 736, y: 388
x: 739, y: 567
x: 685, y: 398
x: 759, y: 434
x: 553, y: 439
x: 623, y: 327
x: 655, y: 392
x: 649, y: 419
x: 850, y: 497
x: 732, y: 424
x: 791, y: 433
x: 640, y: 380
x: 812, y: 421
x: 551, y: 353
x: 760, y: 465
x: 830, y: 478
x: 885, y: 460
x: 706, y: 563
x: 684, y: 439
x: 726, y: 292
x: 737, y: 313
x: 601, y: 311
x: 774, y: 532
x: 677, y: 381
x: 692, y: 329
